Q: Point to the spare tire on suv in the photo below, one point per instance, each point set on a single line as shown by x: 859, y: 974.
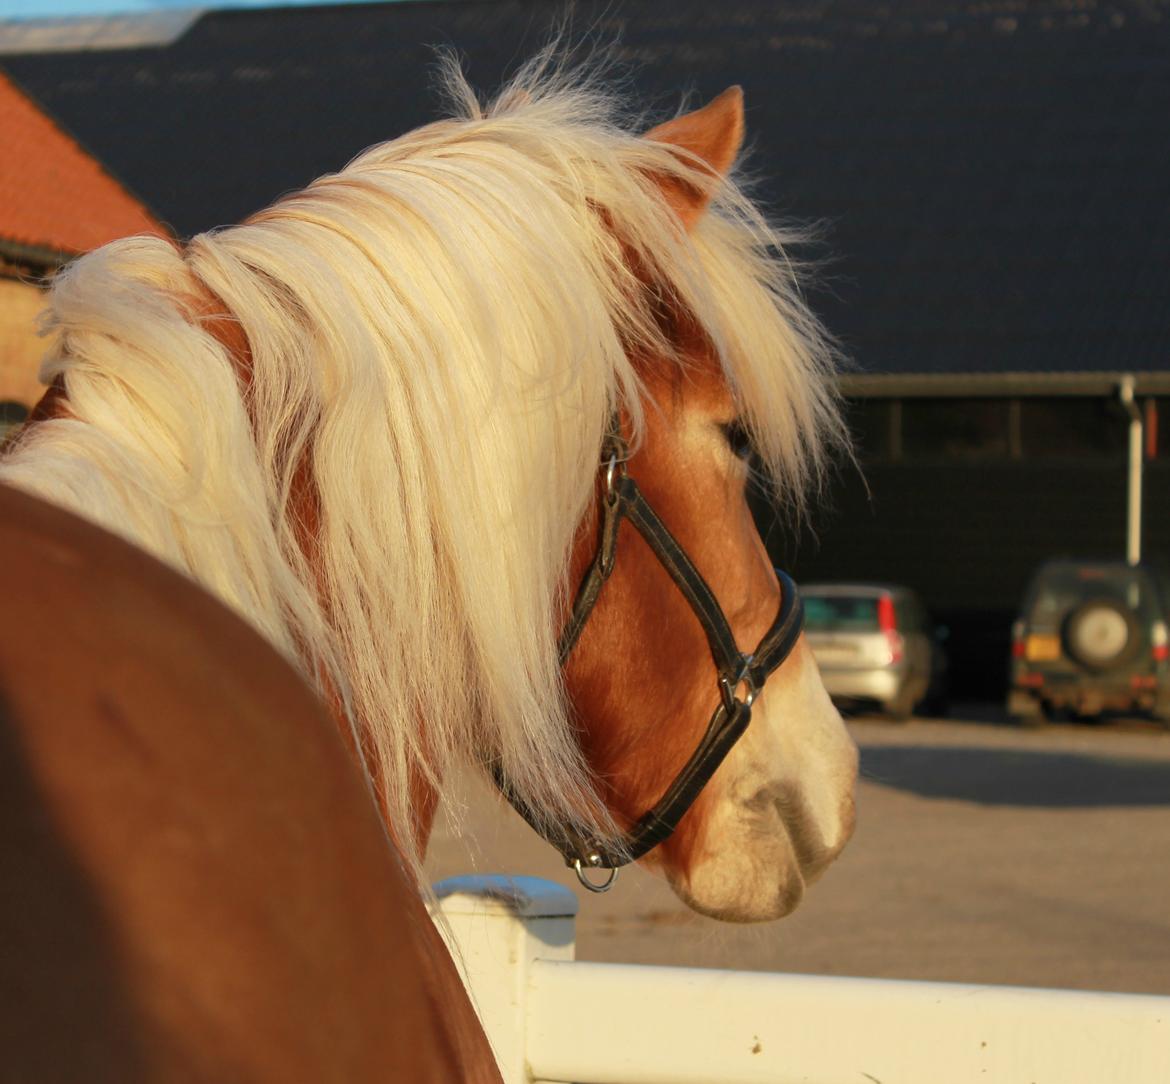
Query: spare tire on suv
x: 1101, y: 634
x: 1091, y: 638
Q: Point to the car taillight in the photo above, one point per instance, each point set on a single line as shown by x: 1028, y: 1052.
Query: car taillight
x: 888, y: 623
x: 1018, y: 650
x: 1160, y: 641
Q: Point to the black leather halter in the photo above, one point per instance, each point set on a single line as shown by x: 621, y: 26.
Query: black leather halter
x: 737, y: 671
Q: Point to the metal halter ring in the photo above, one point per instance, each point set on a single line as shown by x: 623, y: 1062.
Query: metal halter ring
x: 611, y: 471
x: 728, y: 687
x: 618, y: 454
x: 594, y: 861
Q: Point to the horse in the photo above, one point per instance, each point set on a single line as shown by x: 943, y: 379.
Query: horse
x: 198, y: 886
x: 463, y: 431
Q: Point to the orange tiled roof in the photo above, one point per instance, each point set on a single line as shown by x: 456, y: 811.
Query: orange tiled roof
x: 52, y: 194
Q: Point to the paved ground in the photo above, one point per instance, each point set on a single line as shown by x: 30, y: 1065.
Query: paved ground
x: 983, y: 853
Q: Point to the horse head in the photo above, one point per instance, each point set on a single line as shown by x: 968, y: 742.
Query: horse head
x: 643, y: 677
x: 372, y: 420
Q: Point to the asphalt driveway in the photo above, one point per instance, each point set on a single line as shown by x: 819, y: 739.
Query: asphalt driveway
x: 983, y: 853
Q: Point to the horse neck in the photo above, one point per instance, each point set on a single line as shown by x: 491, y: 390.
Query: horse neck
x: 424, y: 795
x: 304, y: 513
x: 424, y: 804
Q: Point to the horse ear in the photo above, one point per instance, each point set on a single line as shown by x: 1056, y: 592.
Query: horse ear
x: 713, y: 134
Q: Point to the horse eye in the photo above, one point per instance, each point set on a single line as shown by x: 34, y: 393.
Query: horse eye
x: 738, y: 438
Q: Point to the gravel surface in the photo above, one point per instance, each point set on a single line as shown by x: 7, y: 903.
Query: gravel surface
x: 983, y: 853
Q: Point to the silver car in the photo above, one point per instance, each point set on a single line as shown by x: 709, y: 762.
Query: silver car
x: 875, y: 647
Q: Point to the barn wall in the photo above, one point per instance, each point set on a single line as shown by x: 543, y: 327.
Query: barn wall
x: 20, y: 347
x: 967, y: 536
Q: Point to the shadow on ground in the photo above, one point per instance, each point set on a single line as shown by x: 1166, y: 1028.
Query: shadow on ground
x: 1018, y: 777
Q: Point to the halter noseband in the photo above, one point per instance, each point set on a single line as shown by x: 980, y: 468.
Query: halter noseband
x: 624, y: 500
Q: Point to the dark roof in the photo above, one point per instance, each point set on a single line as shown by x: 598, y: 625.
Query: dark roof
x: 994, y: 176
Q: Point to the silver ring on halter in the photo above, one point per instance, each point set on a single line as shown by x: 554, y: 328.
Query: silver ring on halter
x: 729, y: 687
x: 594, y: 861
x: 610, y: 471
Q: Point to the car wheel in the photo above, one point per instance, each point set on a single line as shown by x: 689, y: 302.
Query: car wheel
x: 900, y: 708
x: 1027, y: 712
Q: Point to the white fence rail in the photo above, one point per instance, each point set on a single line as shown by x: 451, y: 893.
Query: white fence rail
x: 551, y: 1019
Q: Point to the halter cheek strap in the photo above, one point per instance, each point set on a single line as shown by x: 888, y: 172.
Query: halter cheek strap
x: 624, y: 500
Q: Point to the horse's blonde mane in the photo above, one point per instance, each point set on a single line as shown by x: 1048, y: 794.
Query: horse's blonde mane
x: 441, y: 331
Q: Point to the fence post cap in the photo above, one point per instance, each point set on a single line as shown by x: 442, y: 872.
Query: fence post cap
x: 524, y: 897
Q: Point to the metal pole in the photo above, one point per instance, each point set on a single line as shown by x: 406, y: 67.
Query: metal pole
x: 1133, y: 531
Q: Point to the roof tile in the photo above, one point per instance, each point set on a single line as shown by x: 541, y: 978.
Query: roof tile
x: 52, y: 194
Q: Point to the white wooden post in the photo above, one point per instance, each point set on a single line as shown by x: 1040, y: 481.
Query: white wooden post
x: 552, y: 1019
x: 674, y: 1025
x: 496, y: 928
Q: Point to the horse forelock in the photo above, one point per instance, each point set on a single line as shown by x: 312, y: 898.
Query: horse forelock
x: 368, y: 418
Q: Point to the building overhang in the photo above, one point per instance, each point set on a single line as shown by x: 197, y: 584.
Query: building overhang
x: 998, y: 385
x: 32, y: 259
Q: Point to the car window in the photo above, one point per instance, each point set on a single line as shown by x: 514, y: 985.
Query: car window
x: 1061, y: 588
x: 840, y: 613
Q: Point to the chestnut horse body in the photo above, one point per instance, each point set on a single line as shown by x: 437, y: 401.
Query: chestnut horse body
x: 197, y: 886
x: 369, y: 420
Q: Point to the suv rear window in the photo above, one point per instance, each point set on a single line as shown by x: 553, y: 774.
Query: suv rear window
x: 1060, y: 588
x: 840, y: 613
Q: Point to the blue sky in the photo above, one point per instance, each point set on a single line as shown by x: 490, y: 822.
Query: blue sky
x: 30, y: 9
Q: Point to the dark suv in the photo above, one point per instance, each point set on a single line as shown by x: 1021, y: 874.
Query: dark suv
x: 1091, y: 638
